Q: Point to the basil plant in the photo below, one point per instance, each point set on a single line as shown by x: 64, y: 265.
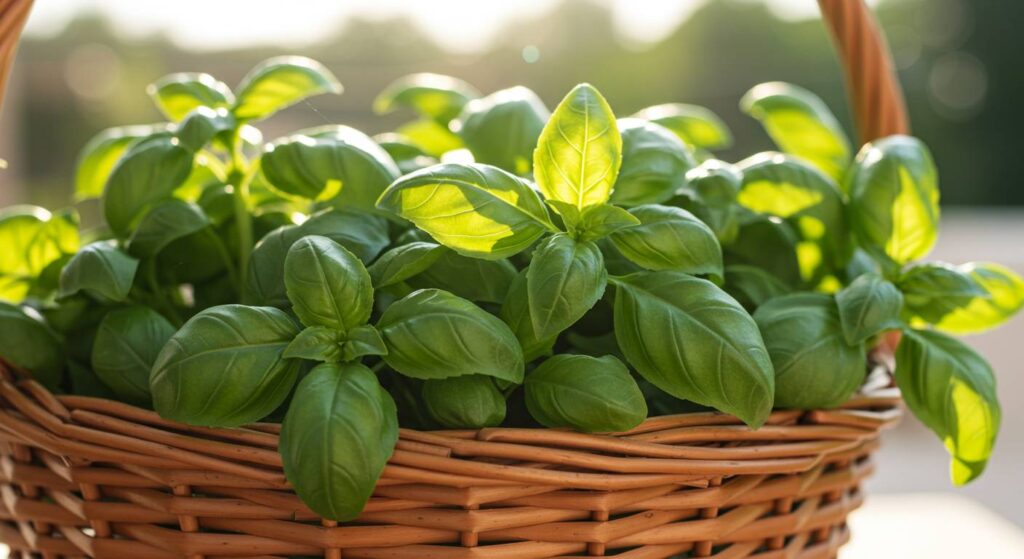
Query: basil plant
x: 491, y: 262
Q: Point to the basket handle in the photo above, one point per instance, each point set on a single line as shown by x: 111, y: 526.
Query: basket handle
x: 13, y: 14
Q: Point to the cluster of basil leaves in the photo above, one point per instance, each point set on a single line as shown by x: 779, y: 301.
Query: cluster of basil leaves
x: 460, y: 266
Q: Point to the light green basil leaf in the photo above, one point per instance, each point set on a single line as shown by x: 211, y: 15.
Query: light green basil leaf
x: 176, y: 95
x: 467, y: 402
x: 316, y: 343
x: 33, y: 239
x: 868, y: 306
x: 362, y: 340
x: 952, y: 390
x: 430, y: 136
x: 752, y: 286
x: 565, y: 279
x: 654, y: 164
x: 280, y: 82
x: 433, y: 334
x: 590, y: 394
x: 29, y: 344
x: 894, y: 199
x: 801, y: 124
x: 202, y: 125
x: 126, y: 345
x: 814, y: 365
x: 166, y: 222
x: 580, y: 150
x: 404, y: 262
x: 151, y: 170
x: 502, y: 129
x: 481, y: 281
x: 696, y: 126
x: 600, y: 221
x: 225, y: 367
x: 431, y: 95
x: 515, y: 311
x: 327, y: 284
x: 935, y: 290
x: 670, y: 238
x: 333, y: 163
x: 476, y: 210
x: 100, y: 270
x: 1004, y: 297
x: 336, y: 444
x: 689, y: 338
x: 99, y: 156
x: 408, y: 156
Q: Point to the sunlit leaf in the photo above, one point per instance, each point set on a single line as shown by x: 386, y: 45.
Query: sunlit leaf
x: 431, y: 95
x: 696, y: 126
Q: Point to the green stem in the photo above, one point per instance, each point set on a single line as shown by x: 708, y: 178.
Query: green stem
x: 240, y: 176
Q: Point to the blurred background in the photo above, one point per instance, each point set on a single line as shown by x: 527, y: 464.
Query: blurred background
x: 83, y: 66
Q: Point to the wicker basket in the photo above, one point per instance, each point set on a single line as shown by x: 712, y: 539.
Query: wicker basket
x: 86, y: 477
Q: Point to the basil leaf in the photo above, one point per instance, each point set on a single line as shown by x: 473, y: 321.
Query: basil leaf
x: 176, y: 95
x: 84, y: 382
x: 1004, y: 297
x: 952, y: 390
x: 408, y: 156
x: 100, y: 270
x: 502, y: 129
x: 165, y: 223
x: 334, y: 163
x: 126, y: 345
x: 814, y: 365
x: 713, y: 187
x: 654, y: 164
x: 431, y: 95
x: 430, y: 136
x: 335, y: 446
x: 600, y: 221
x: 933, y: 291
x: 225, y: 367
x: 316, y: 343
x: 280, y: 82
x: 579, y: 152
x: 150, y: 170
x: 29, y: 344
x: 481, y: 281
x: 433, y: 334
x: 327, y: 284
x: 362, y: 340
x: 868, y: 306
x: 590, y: 394
x: 894, y: 199
x: 476, y: 210
x: 203, y: 124
x: 752, y: 286
x: 696, y: 126
x: 670, y: 239
x: 515, y: 311
x: 565, y: 279
x: 33, y: 239
x: 404, y: 262
x: 690, y: 339
x: 767, y: 243
x: 801, y: 124
x: 467, y: 402
x: 100, y: 155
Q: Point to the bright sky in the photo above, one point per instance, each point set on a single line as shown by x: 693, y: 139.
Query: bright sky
x: 457, y: 24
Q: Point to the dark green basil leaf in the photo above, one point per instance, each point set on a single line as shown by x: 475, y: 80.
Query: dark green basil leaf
x: 814, y: 365
x: 654, y: 164
x: 362, y: 340
x: 202, y: 125
x: 476, y: 210
x: 952, y: 390
x: 99, y: 156
x: 565, y: 279
x: 150, y: 170
x: 225, y: 367
x: 711, y: 190
x: 431, y: 95
x: 84, y: 382
x: 316, y: 343
x: 467, y: 402
x: 433, y: 334
x: 482, y: 281
x: 335, y: 445
x: 334, y: 163
x: 670, y: 238
x: 894, y: 199
x: 33, y: 239
x: 689, y: 338
x: 752, y: 286
x: 600, y: 221
x: 280, y: 82
x: 515, y: 311
x: 408, y: 156
x: 100, y: 270
x: 767, y: 243
x: 404, y: 262
x: 801, y: 124
x: 502, y: 129
x: 933, y: 291
x: 868, y: 306
x: 589, y: 394
x: 1004, y: 297
x: 176, y: 95
x: 696, y: 126
x: 29, y: 344
x: 197, y: 257
x: 126, y: 345
x: 168, y: 221
x: 580, y: 150
x: 327, y: 284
